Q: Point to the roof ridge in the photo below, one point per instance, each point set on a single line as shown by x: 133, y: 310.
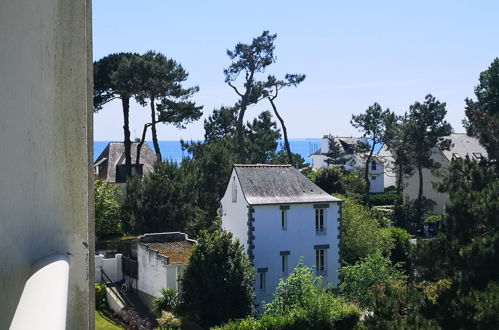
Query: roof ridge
x: 262, y: 165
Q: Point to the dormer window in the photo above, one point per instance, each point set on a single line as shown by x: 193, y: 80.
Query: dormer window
x: 234, y: 190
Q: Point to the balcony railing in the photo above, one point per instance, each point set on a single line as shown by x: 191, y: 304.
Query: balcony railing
x: 44, y: 299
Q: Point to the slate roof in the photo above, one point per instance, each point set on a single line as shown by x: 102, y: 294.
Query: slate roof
x: 278, y: 184
x: 462, y: 145
x: 114, y: 154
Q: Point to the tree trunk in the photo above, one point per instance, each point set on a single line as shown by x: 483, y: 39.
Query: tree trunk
x: 240, y: 132
x: 400, y: 175
x: 366, y: 173
x: 141, y: 143
x: 125, y: 102
x: 153, y: 131
x: 284, y: 131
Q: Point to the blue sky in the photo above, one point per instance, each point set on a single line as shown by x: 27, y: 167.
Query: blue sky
x: 354, y: 53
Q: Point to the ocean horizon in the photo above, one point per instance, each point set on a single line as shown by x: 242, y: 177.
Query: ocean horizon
x: 172, y: 150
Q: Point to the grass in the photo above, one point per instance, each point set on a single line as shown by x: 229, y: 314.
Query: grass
x: 104, y: 323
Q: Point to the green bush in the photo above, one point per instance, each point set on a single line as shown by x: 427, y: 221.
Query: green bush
x: 401, y: 250
x: 167, y: 302
x: 386, y: 198
x: 168, y: 321
x: 107, y: 209
x: 100, y: 296
x: 361, y: 232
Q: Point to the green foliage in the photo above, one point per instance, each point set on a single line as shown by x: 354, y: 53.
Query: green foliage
x: 160, y: 79
x: 168, y: 321
x: 354, y: 184
x: 374, y: 124
x: 100, y: 296
x: 482, y: 115
x: 217, y: 283
x: 361, y: 233
x: 402, y: 249
x: 249, y: 59
x: 262, y: 136
x: 164, y: 200
x: 295, y: 291
x: 167, y: 302
x: 281, y: 157
x: 359, y: 279
x: 386, y: 198
x: 426, y: 129
x: 330, y: 180
x: 107, y: 209
x: 397, y: 305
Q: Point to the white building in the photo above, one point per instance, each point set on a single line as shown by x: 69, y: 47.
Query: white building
x: 354, y: 160
x: 161, y: 259
x: 462, y: 146
x: 280, y: 216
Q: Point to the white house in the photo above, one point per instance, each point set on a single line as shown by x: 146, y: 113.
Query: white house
x: 161, y: 259
x: 462, y: 146
x: 354, y: 160
x: 280, y: 216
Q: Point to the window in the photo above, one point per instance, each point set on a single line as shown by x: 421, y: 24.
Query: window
x: 234, y: 190
x: 284, y: 262
x: 373, y: 178
x: 319, y: 220
x: 320, y: 261
x: 121, y: 172
x: 262, y: 274
x: 373, y: 165
x: 284, y: 219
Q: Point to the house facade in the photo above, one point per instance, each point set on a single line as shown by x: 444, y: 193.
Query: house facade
x: 280, y: 216
x: 161, y: 259
x: 462, y: 146
x: 110, y: 165
x: 353, y: 160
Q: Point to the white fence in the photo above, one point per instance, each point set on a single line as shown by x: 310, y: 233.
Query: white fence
x: 110, y: 266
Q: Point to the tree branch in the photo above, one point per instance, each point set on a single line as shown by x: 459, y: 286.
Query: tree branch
x: 235, y: 89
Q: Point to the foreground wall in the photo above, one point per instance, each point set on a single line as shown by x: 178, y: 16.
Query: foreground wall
x: 45, y: 149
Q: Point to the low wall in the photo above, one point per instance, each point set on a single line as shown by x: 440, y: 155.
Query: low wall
x: 114, y: 303
x: 111, y: 266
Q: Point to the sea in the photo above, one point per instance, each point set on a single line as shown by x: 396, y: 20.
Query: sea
x: 172, y: 150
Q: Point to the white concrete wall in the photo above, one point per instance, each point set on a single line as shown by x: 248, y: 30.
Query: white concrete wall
x: 111, y: 266
x: 154, y: 272
x: 299, y: 238
x: 412, y: 184
x: 235, y: 215
x: 46, y: 186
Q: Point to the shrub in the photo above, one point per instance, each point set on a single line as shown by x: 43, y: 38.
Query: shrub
x: 361, y: 232
x: 329, y: 179
x: 107, y: 209
x: 100, y: 296
x: 359, y: 279
x: 217, y: 284
x: 386, y: 198
x: 168, y: 321
x: 167, y: 302
x: 401, y: 250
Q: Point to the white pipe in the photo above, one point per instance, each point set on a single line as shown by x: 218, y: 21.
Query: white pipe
x: 44, y: 299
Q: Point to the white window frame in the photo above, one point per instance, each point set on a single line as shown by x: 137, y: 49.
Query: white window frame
x: 320, y: 220
x: 321, y: 265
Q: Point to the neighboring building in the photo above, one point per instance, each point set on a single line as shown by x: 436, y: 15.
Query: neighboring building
x: 462, y: 145
x: 161, y: 259
x: 280, y: 216
x: 110, y: 165
x: 354, y: 160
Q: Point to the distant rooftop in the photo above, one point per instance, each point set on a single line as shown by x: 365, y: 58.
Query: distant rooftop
x: 278, y: 184
x: 176, y: 247
x: 463, y: 145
